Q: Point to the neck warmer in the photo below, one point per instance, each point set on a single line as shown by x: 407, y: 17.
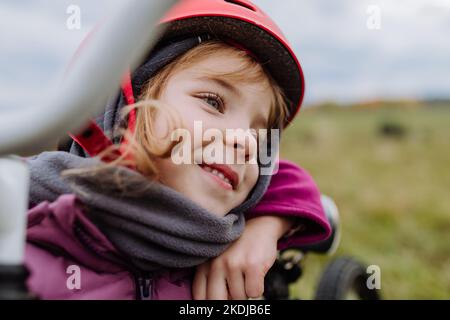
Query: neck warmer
x: 153, y: 225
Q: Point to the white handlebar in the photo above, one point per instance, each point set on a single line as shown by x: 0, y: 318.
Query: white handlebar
x: 118, y: 44
x: 96, y: 74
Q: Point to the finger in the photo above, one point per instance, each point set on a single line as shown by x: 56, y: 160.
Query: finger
x: 254, y: 283
x: 216, y: 284
x: 236, y: 285
x: 200, y: 281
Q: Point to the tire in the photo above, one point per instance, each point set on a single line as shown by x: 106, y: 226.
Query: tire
x: 342, y: 277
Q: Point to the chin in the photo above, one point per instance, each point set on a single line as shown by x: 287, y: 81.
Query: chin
x: 193, y: 188
x: 217, y: 209
x: 194, y: 194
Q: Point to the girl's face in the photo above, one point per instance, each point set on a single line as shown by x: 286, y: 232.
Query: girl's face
x: 219, y: 104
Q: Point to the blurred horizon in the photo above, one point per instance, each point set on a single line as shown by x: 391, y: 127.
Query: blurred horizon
x: 344, y: 60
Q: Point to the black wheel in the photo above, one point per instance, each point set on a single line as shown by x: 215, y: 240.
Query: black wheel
x: 345, y: 279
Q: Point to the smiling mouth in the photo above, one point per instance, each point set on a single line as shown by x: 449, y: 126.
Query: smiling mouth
x: 222, y: 174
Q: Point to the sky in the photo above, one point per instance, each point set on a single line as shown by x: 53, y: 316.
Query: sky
x: 350, y: 50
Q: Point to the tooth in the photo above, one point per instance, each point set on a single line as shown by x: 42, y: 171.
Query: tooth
x: 215, y: 171
x: 221, y: 175
x: 227, y: 180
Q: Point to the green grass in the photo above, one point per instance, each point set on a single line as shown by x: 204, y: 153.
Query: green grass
x: 393, y: 193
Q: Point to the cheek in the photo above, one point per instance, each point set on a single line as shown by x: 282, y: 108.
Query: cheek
x: 195, y: 120
x: 252, y: 174
x: 161, y: 126
x: 171, y: 174
x: 186, y: 106
x: 176, y: 97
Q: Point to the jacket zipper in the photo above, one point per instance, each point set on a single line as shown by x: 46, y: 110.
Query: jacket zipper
x: 144, y: 286
x: 143, y: 280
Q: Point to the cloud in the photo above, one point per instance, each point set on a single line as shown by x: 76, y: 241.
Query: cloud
x: 344, y: 60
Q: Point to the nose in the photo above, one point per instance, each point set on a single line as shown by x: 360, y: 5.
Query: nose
x: 242, y: 143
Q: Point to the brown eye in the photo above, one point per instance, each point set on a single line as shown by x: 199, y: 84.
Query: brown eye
x: 214, y: 101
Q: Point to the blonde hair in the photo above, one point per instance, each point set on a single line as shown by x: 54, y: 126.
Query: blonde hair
x: 143, y: 146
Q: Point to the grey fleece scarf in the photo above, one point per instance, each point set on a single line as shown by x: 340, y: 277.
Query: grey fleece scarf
x: 160, y: 227
x: 155, y: 226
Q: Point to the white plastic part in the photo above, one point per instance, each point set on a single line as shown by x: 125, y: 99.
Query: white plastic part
x: 14, y: 185
x: 332, y: 212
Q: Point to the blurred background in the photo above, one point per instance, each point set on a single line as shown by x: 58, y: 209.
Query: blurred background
x: 374, y: 131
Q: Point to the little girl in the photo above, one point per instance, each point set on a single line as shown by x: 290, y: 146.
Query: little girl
x: 135, y: 227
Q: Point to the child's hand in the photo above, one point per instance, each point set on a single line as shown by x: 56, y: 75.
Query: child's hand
x: 239, y: 272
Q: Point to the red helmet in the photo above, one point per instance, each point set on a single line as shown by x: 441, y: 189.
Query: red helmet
x: 243, y: 23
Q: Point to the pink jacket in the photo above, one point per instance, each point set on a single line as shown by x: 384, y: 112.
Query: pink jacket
x: 69, y: 258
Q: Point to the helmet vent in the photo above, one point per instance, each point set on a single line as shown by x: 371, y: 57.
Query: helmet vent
x: 242, y: 4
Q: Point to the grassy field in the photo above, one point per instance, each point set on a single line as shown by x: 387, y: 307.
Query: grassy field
x: 393, y: 192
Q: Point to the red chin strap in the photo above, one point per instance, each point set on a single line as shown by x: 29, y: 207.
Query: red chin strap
x: 93, y: 140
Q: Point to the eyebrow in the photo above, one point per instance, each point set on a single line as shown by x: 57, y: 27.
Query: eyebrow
x: 222, y: 83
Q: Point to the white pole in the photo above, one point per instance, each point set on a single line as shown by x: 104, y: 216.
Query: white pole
x: 14, y: 185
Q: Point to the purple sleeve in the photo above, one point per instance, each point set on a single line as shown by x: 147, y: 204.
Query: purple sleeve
x: 293, y: 193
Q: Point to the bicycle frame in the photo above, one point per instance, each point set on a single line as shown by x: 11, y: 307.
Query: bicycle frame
x: 82, y: 94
